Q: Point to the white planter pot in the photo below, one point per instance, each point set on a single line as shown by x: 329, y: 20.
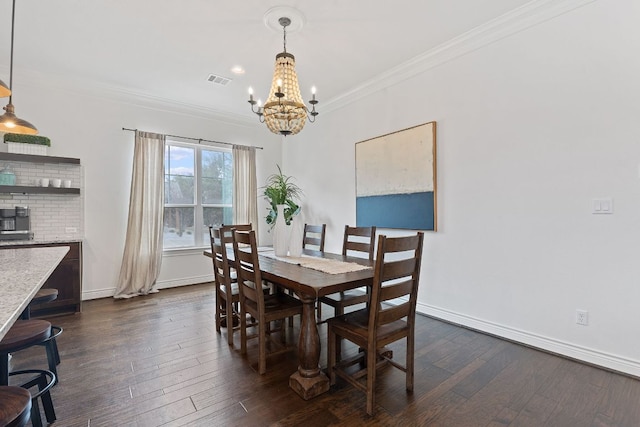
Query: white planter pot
x: 280, y: 233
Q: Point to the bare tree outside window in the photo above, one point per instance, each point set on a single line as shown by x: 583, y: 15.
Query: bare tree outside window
x: 198, y: 193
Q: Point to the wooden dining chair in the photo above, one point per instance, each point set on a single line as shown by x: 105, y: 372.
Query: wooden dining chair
x: 264, y: 308
x: 227, y: 294
x: 358, y: 241
x: 313, y: 237
x: 389, y: 317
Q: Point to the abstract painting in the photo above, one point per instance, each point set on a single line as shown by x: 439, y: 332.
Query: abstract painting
x: 396, y: 179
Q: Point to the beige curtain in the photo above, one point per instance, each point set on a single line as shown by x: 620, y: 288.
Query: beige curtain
x: 245, y: 187
x: 143, y: 245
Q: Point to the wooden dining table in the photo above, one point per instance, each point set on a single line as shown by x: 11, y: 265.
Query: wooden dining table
x: 309, y: 284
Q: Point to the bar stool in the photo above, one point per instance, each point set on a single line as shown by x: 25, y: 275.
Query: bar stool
x: 43, y: 296
x: 43, y: 380
x: 24, y: 334
x: 15, y: 406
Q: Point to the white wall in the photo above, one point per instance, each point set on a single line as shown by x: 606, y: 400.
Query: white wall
x: 531, y: 128
x: 90, y: 127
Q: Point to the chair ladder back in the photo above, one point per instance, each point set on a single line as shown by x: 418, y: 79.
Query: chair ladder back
x: 359, y: 239
x: 396, y: 278
x: 221, y: 269
x: 314, y: 235
x: 227, y: 231
x: 247, y: 266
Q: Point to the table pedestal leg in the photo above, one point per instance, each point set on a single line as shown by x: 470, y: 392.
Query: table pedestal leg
x: 309, y: 381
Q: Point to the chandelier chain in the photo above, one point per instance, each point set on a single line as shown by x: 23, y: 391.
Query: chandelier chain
x: 284, y: 29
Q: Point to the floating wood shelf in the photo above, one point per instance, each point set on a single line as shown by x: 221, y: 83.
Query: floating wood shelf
x: 22, y: 189
x: 13, y: 157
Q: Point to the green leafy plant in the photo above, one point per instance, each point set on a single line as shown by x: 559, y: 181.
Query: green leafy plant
x: 280, y: 190
x: 27, y: 139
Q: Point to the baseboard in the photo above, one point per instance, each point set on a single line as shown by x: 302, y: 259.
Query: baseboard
x: 588, y: 355
x: 100, y: 293
x: 164, y: 284
x: 184, y: 281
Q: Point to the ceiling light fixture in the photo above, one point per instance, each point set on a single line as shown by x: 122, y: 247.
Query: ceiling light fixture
x: 237, y: 70
x: 284, y: 112
x: 9, y: 122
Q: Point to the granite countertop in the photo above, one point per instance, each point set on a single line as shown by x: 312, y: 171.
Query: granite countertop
x: 23, y: 271
x: 36, y: 242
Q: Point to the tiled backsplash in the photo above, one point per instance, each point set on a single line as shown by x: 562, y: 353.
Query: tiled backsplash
x: 54, y: 217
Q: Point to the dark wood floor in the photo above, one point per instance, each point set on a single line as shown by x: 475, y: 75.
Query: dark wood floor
x: 157, y: 360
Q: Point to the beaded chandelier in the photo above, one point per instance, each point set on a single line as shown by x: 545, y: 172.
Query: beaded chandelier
x: 284, y: 112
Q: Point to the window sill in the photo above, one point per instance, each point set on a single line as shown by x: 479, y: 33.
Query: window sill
x: 173, y: 252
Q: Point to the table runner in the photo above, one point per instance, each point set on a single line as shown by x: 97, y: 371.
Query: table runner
x: 326, y: 265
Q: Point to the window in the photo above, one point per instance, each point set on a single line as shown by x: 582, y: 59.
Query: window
x: 198, y: 192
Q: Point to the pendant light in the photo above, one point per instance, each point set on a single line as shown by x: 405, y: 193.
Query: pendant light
x: 9, y: 122
x: 4, y: 90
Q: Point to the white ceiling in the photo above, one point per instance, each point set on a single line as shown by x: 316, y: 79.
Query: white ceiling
x: 166, y: 48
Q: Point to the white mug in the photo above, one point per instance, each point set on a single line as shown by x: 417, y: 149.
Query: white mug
x: 56, y: 182
x: 66, y: 183
x: 44, y: 182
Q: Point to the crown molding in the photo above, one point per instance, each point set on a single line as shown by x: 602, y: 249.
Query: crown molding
x: 512, y: 22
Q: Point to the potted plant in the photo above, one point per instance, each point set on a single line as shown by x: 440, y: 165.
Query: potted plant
x: 27, y: 144
x: 282, y: 194
x: 280, y: 190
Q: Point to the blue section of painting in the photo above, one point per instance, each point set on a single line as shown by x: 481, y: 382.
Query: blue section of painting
x: 407, y: 211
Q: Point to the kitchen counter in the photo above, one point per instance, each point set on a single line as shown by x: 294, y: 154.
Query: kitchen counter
x: 37, y: 242
x: 23, y: 272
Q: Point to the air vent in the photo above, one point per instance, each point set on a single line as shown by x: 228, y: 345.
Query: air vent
x: 219, y: 80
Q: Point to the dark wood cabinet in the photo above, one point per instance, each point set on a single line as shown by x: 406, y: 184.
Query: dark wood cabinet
x: 66, y: 278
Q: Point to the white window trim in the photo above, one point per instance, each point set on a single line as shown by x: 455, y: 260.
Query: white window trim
x: 198, y: 206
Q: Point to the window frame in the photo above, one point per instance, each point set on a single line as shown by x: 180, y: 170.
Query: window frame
x: 198, y: 206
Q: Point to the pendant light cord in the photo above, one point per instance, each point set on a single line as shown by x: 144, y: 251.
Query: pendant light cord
x: 13, y: 20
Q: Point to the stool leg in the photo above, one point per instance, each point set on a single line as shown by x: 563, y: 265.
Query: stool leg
x: 55, y: 331
x: 51, y: 357
x: 47, y: 402
x: 36, y: 421
x: 4, y: 369
x: 54, y: 343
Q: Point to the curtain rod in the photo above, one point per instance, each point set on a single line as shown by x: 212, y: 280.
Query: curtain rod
x: 202, y: 140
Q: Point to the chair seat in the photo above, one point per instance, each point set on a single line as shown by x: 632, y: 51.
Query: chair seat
x: 346, y: 298
x: 15, y: 406
x: 235, y: 291
x: 25, y: 333
x: 45, y: 295
x: 355, y: 327
x: 278, y: 305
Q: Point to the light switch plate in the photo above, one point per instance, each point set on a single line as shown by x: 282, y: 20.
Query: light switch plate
x: 602, y: 206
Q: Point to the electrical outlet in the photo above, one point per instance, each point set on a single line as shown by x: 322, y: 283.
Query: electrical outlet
x: 582, y: 317
x: 70, y: 230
